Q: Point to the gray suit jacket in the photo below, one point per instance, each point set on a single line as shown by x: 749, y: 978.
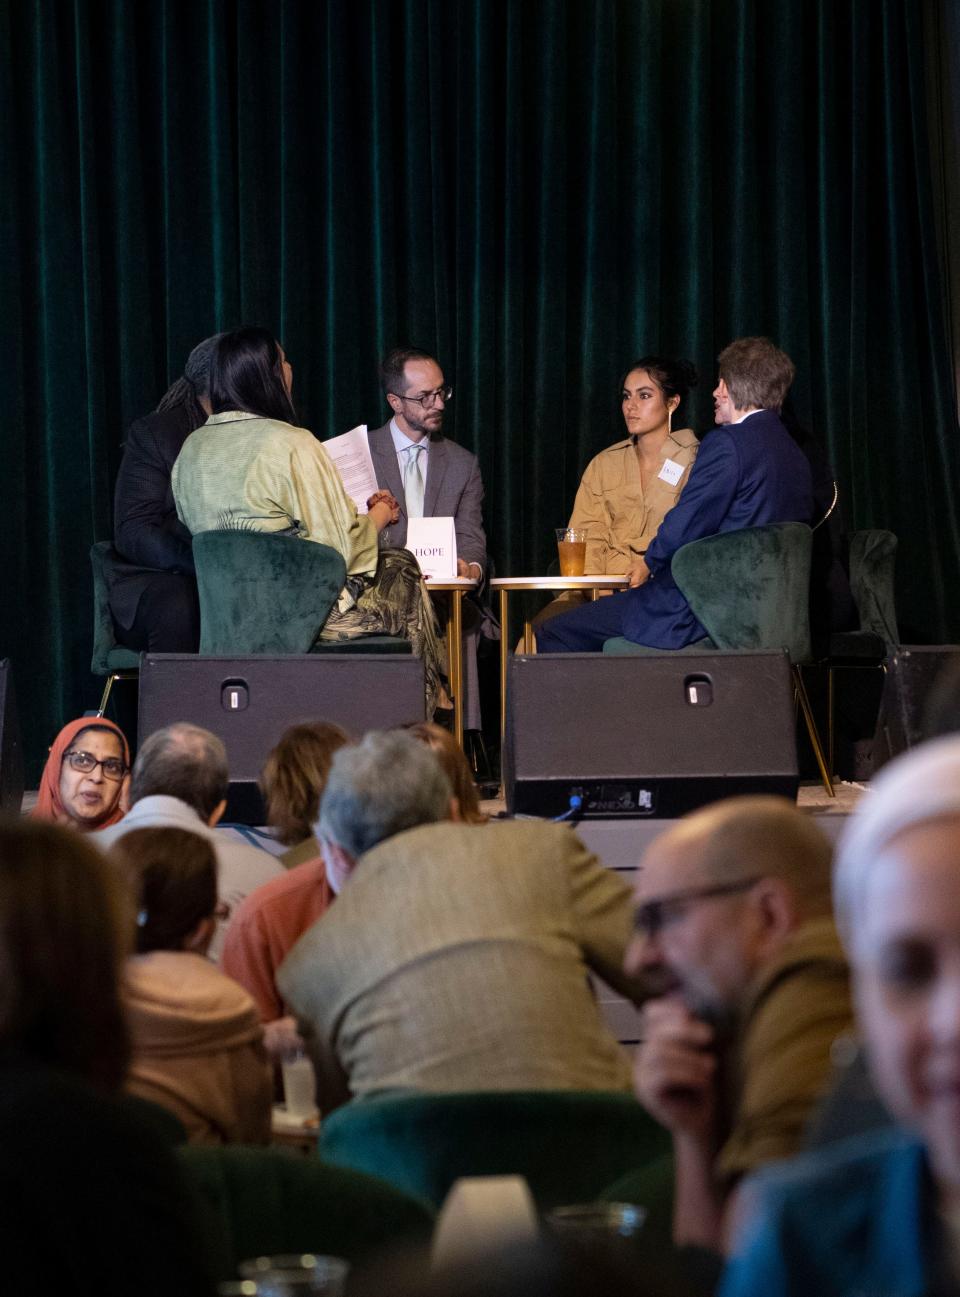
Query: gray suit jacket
x: 453, y: 489
x: 456, y: 958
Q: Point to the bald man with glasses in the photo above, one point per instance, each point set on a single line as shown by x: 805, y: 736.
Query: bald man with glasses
x: 431, y: 476
x: 735, y: 942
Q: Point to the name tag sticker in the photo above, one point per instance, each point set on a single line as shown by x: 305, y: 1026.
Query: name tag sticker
x: 433, y: 543
x: 671, y: 472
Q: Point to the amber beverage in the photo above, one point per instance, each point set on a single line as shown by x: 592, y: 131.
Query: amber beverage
x: 572, y: 550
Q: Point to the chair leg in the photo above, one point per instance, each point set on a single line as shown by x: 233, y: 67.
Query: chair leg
x: 831, y: 763
x: 106, y: 693
x: 111, y: 679
x: 801, y: 691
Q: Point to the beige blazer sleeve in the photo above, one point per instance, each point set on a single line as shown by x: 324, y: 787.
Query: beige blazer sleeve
x: 602, y: 905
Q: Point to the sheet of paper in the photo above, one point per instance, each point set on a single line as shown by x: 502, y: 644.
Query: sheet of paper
x: 433, y: 542
x: 351, y: 454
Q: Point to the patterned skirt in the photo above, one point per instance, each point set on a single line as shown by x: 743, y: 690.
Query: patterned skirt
x: 394, y: 602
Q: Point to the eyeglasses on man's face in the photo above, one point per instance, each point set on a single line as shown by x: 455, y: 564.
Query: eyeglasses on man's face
x: 427, y: 399
x: 652, y: 916
x: 85, y: 763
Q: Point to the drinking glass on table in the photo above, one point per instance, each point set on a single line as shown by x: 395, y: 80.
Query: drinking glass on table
x: 297, y: 1275
x: 598, y: 1228
x: 299, y: 1084
x: 572, y: 550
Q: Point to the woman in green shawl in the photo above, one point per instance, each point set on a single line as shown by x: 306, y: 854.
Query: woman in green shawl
x: 250, y: 466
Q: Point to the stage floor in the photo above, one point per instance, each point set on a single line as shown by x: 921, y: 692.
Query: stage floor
x: 621, y: 843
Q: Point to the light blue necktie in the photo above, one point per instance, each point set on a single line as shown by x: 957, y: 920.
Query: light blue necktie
x: 413, y: 482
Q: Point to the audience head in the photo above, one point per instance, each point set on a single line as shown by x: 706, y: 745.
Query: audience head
x: 249, y: 371
x: 754, y: 375
x: 64, y: 928
x: 85, y: 779
x: 719, y: 894
x: 186, y: 762
x: 415, y: 389
x: 294, y: 775
x: 172, y: 876
x: 897, y: 898
x: 379, y: 787
x: 456, y: 767
x: 651, y: 391
x: 193, y: 389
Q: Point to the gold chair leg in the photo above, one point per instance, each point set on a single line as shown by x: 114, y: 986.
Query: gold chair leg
x: 831, y: 737
x: 801, y: 691
x: 106, y: 693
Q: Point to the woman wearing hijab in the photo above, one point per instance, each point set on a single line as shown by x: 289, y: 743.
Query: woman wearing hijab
x: 85, y: 782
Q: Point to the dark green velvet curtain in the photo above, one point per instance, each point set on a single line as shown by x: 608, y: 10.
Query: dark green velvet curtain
x: 535, y: 190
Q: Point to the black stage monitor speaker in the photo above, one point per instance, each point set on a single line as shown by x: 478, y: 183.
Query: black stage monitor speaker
x: 249, y: 701
x: 11, y: 752
x: 608, y: 737
x: 911, y: 675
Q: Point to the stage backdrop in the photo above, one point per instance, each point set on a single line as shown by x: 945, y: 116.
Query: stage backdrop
x: 537, y: 191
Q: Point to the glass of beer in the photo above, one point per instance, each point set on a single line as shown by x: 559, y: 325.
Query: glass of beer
x: 572, y: 548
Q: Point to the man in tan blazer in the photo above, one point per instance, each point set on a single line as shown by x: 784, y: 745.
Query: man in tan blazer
x: 456, y: 956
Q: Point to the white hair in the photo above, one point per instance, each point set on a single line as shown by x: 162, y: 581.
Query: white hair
x: 920, y: 786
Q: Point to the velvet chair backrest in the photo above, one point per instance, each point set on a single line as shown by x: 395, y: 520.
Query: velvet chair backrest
x: 107, y: 655
x: 261, y: 593
x: 750, y: 589
x: 568, y: 1144
x: 873, y: 558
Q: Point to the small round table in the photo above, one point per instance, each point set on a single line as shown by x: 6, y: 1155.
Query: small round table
x: 506, y: 584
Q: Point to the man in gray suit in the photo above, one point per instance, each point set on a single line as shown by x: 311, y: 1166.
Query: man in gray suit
x: 456, y: 956
x: 431, y: 477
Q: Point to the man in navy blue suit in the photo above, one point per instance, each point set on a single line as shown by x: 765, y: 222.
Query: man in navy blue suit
x: 749, y: 472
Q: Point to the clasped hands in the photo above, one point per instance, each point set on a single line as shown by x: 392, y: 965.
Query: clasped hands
x: 383, y: 508
x: 675, y: 1069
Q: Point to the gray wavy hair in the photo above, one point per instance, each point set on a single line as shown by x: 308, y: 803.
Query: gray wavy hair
x: 379, y: 787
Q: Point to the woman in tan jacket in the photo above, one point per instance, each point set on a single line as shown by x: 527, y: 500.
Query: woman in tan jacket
x: 627, y: 490
x: 197, y: 1041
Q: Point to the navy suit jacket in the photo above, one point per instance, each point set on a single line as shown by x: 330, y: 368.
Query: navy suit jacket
x: 745, y: 475
x: 453, y: 489
x: 148, y: 535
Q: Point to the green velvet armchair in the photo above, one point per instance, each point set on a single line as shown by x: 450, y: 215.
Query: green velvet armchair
x: 109, y: 658
x: 264, y: 593
x: 872, y: 562
x: 750, y: 590
x: 568, y: 1144
x: 261, y: 593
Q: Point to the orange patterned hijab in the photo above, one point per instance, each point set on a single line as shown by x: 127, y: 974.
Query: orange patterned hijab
x: 49, y: 806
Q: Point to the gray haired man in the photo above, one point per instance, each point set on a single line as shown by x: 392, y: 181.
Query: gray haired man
x: 180, y: 780
x: 456, y: 957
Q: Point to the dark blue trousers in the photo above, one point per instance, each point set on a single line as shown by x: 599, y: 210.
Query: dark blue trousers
x: 584, y: 629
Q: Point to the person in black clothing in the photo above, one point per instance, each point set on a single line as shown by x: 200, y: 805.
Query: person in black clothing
x: 92, y: 1199
x: 150, y: 572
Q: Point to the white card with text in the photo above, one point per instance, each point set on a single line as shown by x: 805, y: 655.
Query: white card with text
x: 433, y: 543
x: 671, y: 472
